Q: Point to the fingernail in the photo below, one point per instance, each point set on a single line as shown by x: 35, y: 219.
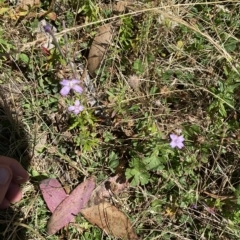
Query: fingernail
x: 4, y: 175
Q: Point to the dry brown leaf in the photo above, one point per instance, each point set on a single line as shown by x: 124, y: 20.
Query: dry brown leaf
x: 26, y: 4
x: 111, y: 220
x: 52, y: 16
x: 41, y: 143
x: 119, y: 6
x: 99, y: 48
x: 111, y: 186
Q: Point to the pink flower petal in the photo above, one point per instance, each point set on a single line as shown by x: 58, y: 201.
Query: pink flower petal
x: 173, y: 136
x: 77, y: 103
x: 76, y: 111
x: 180, y: 145
x: 80, y: 108
x: 75, y: 81
x: 65, y: 82
x: 71, y: 108
x: 77, y: 88
x: 65, y: 90
x: 180, y: 138
x: 173, y: 144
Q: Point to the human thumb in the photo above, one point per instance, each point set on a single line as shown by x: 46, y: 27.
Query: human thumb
x: 5, y: 179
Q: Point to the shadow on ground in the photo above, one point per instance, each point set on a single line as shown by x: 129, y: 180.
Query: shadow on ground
x: 14, y: 142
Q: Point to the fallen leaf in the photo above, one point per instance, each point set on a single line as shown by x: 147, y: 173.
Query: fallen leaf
x: 119, y: 6
x: 26, y: 4
x: 71, y: 206
x: 16, y: 15
x: 111, y: 220
x: 65, y: 208
x: 52, y: 192
x: 52, y: 16
x: 41, y: 143
x: 111, y: 186
x: 99, y: 47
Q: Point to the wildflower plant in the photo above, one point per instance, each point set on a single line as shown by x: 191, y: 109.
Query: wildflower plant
x: 67, y: 84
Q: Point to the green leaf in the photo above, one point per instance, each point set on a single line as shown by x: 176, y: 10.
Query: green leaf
x: 35, y: 173
x: 24, y: 58
x: 73, y: 125
x: 138, y: 173
x: 138, y: 66
x: 152, y: 163
x: 222, y: 110
x: 113, y: 160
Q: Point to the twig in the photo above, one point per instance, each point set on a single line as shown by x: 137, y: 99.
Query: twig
x: 48, y: 29
x: 67, y: 57
x: 49, y: 9
x: 30, y: 228
x: 156, y: 9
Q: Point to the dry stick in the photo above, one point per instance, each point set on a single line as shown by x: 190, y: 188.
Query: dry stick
x: 48, y: 29
x: 233, y: 198
x: 67, y: 56
x: 28, y: 45
x: 171, y: 91
x: 49, y: 9
x: 65, y: 36
x: 19, y: 224
x: 219, y: 48
x: 142, y: 11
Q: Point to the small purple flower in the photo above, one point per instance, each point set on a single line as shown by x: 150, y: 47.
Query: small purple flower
x: 177, y: 141
x: 194, y: 206
x: 76, y: 108
x: 70, y: 84
x: 47, y: 28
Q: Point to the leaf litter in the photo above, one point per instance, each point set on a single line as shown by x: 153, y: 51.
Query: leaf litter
x: 70, y: 206
x: 111, y: 220
x: 52, y: 192
x: 99, y: 47
x: 91, y: 202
